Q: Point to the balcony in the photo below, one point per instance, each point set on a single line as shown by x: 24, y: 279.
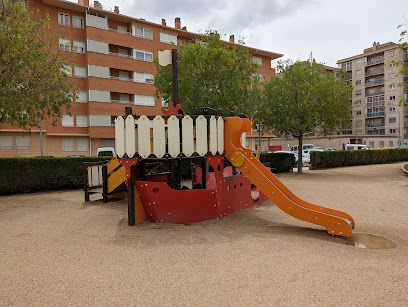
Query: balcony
x: 374, y: 71
x: 374, y: 61
x: 375, y: 103
x: 375, y: 92
x: 121, y: 55
x: 375, y: 114
x: 376, y: 130
x: 374, y: 83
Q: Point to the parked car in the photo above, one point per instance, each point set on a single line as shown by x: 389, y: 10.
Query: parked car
x: 304, y: 147
x: 305, y: 159
x: 105, y: 152
x: 330, y: 149
x: 75, y: 156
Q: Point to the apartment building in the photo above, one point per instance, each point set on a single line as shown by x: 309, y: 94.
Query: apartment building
x: 380, y: 96
x: 111, y: 58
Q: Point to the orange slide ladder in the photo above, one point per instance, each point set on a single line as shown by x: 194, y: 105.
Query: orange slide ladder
x: 336, y: 222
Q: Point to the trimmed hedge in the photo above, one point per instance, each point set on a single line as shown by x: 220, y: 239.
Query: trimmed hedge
x: 327, y: 159
x: 26, y: 175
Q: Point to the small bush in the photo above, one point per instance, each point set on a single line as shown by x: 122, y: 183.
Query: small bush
x: 327, y: 159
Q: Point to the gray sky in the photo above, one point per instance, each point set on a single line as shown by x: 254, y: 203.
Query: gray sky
x: 331, y: 29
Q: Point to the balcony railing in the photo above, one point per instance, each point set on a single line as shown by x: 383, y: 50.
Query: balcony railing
x: 375, y: 114
x: 122, y: 101
x: 376, y: 92
x: 377, y: 130
x: 374, y: 61
x: 374, y: 83
x: 120, y: 78
x: 121, y: 55
x: 377, y: 71
x: 375, y: 103
x: 120, y: 31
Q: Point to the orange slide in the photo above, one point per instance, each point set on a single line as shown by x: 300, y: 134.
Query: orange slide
x: 336, y: 222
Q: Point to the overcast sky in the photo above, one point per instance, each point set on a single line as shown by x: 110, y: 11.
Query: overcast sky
x: 330, y: 29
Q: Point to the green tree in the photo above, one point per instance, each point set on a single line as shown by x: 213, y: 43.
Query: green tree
x: 33, y: 82
x: 210, y: 75
x: 305, y: 99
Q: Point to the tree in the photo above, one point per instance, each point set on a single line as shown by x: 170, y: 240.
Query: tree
x: 304, y: 99
x: 33, y: 80
x: 210, y: 75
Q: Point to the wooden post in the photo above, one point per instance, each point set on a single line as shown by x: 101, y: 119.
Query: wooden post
x: 175, y: 77
x: 105, y: 183
x: 131, y: 197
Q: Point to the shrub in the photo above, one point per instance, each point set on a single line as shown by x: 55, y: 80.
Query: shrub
x: 327, y: 159
x: 25, y: 175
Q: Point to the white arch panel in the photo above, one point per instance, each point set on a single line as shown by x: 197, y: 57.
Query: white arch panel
x: 159, y: 137
x: 187, y: 131
x: 130, y: 136
x: 220, y: 134
x: 213, y: 135
x: 201, y: 135
x: 173, y: 136
x: 120, y: 136
x: 143, y: 133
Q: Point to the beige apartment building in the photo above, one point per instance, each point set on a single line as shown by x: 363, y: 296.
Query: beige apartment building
x: 380, y: 96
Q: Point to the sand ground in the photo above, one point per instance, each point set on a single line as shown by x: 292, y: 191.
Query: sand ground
x: 57, y: 250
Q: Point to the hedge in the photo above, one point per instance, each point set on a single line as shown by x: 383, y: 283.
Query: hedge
x: 26, y: 175
x: 328, y: 159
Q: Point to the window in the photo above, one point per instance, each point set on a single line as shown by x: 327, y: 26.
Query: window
x: 23, y: 142
x: 390, y: 144
x: 144, y: 100
x: 80, y: 71
x: 82, y: 96
x: 123, y: 52
x: 67, y: 69
x: 392, y: 120
x: 358, y: 82
x: 124, y: 98
x: 392, y: 109
x: 82, y: 144
x: 67, y: 120
x: 358, y: 112
x: 358, y: 103
x: 142, y: 55
x: 123, y: 75
x: 64, y: 44
x: 393, y: 130
x: 142, y: 32
x: 258, y: 77
x: 381, y: 144
x: 79, y: 47
x: 68, y: 145
x: 392, y: 65
x: 143, y: 77
x: 359, y: 122
x: 391, y: 53
x: 393, y: 86
x: 6, y: 142
x: 63, y: 19
x: 392, y: 98
x: 371, y: 91
x: 77, y: 22
x: 358, y: 92
x: 358, y: 61
x: 257, y: 60
x: 168, y: 38
x: 164, y: 103
x: 358, y: 72
x: 391, y: 76
x: 82, y: 120
x: 371, y: 144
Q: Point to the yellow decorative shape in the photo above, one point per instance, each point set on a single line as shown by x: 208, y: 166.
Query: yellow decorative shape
x: 237, y: 159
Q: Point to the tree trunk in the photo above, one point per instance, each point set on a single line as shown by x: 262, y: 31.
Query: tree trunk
x: 300, y: 154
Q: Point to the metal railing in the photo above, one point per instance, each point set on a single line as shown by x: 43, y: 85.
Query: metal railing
x: 376, y: 71
x: 374, y: 83
x: 375, y: 103
x: 376, y: 92
x: 374, y: 61
x: 120, y: 78
x: 375, y: 114
x: 378, y: 130
x: 122, y: 101
x: 119, y: 31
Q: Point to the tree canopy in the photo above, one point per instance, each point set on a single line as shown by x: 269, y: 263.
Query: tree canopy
x: 33, y: 80
x: 210, y: 75
x: 305, y: 99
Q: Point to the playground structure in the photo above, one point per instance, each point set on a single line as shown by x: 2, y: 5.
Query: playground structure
x: 218, y: 190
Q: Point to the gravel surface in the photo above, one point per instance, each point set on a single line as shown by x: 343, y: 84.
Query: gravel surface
x: 57, y: 250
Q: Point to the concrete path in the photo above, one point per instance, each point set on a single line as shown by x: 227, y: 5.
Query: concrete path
x: 56, y: 250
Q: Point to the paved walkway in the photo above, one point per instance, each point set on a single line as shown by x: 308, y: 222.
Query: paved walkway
x: 57, y: 250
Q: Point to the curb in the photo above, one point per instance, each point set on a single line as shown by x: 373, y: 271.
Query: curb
x: 404, y: 171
